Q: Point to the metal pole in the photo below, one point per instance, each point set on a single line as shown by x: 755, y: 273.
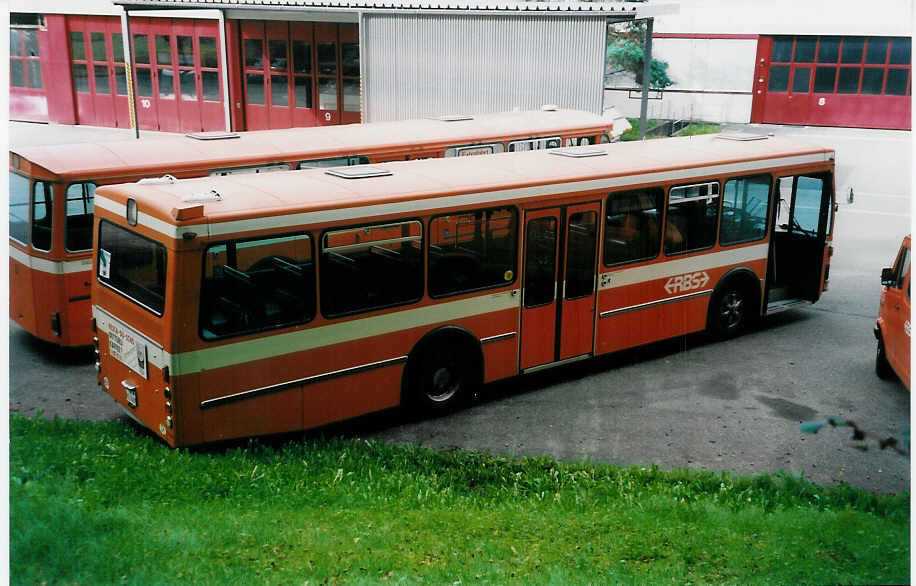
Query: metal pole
x: 129, y: 73
x: 646, y: 78
x: 224, y: 63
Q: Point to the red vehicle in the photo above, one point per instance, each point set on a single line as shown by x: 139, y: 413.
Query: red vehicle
x: 892, y: 330
x: 247, y: 305
x: 52, y: 187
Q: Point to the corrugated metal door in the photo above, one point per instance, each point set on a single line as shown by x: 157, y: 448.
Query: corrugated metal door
x: 421, y: 65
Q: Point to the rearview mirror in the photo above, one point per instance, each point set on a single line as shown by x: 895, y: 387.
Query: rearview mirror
x: 888, y: 278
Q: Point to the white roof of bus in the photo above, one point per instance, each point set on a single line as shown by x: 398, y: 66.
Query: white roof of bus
x: 172, y: 154
x: 251, y: 196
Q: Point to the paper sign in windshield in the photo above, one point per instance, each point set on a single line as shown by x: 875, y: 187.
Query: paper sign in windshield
x: 104, y: 264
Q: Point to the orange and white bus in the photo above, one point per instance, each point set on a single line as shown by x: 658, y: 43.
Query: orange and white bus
x: 52, y: 187
x: 249, y: 305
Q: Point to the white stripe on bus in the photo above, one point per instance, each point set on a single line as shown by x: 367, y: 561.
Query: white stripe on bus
x: 692, y: 264
x: 435, y: 203
x: 54, y: 267
x: 338, y: 333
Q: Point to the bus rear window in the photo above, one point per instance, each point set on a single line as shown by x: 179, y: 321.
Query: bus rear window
x: 132, y: 265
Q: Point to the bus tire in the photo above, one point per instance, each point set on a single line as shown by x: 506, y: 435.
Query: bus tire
x: 730, y: 310
x: 882, y: 366
x: 443, y: 375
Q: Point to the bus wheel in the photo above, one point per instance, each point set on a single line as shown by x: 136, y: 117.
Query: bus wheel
x: 728, y: 312
x: 445, y: 378
x: 882, y: 366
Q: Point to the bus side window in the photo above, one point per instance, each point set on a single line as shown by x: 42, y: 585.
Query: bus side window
x: 631, y: 230
x: 745, y: 203
x: 42, y: 216
x: 19, y: 207
x: 691, y: 218
x: 78, y: 228
x: 371, y: 267
x: 472, y: 250
x: 255, y: 285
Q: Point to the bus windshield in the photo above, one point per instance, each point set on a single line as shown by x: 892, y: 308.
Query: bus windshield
x: 132, y: 265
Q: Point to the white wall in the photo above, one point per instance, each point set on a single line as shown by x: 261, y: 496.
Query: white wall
x: 791, y: 17
x: 100, y: 7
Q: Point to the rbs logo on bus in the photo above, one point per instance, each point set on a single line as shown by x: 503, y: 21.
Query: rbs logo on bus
x: 688, y: 282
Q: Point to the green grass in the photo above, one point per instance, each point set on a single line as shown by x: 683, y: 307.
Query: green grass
x: 98, y: 503
x: 693, y: 129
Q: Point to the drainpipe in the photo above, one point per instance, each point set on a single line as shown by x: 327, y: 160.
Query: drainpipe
x: 129, y: 73
x: 224, y: 62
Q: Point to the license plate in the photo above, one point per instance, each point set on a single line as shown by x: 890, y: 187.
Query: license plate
x: 127, y: 347
x: 130, y: 394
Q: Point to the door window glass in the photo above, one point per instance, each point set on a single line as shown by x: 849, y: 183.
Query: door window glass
x: 540, y: 261
x: 185, y: 50
x: 471, y: 250
x: 690, y: 222
x: 117, y: 47
x: 77, y: 46
x: 782, y: 49
x: 163, y: 50
x: 327, y: 58
x: 210, y: 82
x: 98, y: 46
x: 208, y: 54
x: 801, y: 83
x: 828, y: 50
x: 900, y: 51
x: 120, y: 80
x: 302, y: 57
x: 872, y: 80
x: 779, y: 78
x: 824, y: 79
x: 848, y: 82
x: 631, y: 228
x: 41, y: 216
x: 580, y: 254
x: 166, y: 84
x: 254, y: 88
x: 745, y: 202
x: 327, y: 93
x: 80, y: 77
x: 277, y: 55
x: 253, y: 53
x: 903, y: 266
x: 141, y: 49
x: 17, y: 73
x: 34, y: 73
x: 896, y: 82
x: 256, y: 285
x: 303, y: 92
x: 101, y: 79
x: 351, y: 95
x: 349, y: 57
x: 144, y: 82
x: 804, y: 49
x: 188, y: 84
x: 852, y: 49
x: 876, y: 51
x: 807, y: 210
x: 279, y: 90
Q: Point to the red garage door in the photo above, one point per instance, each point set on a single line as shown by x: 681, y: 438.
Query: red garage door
x: 28, y: 98
x: 178, y: 74
x: 863, y: 82
x: 97, y: 65
x: 299, y: 74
